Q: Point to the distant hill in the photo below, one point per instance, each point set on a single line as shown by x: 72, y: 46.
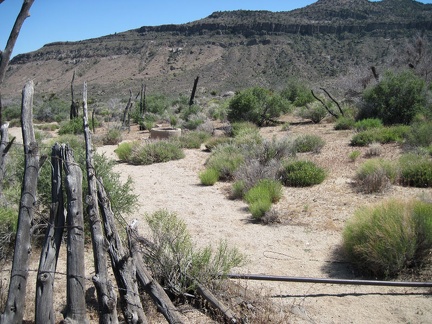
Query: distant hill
x: 322, y: 43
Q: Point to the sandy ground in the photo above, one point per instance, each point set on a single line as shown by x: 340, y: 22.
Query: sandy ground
x: 304, y: 244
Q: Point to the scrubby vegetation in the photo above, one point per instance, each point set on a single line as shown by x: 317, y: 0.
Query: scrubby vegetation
x: 387, y: 238
x: 376, y: 175
x: 302, y: 174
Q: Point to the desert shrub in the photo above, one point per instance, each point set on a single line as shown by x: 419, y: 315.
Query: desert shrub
x: 74, y: 126
x: 238, y: 189
x: 376, y: 175
x: 226, y: 159
x: 301, y: 174
x: 124, y: 150
x: 308, y: 143
x: 297, y: 93
x: 396, y: 99
x: 380, y: 135
x: 11, y: 111
x: 47, y: 127
x: 265, y: 188
x: 194, y: 121
x: 367, y: 123
x: 384, y: 239
x: 314, y: 111
x: 419, y: 135
x: 155, y: 152
x: 415, y: 170
x: 113, y: 136
x: 175, y: 261
x: 193, y: 139
x: 8, y: 228
x: 256, y: 105
x: 213, y: 142
x: 354, y: 155
x: 259, y: 208
x: 344, y: 123
x: 374, y: 149
x: 243, y: 128
x: 209, y: 177
x: 52, y: 109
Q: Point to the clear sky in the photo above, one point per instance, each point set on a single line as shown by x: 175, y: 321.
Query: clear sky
x: 72, y: 20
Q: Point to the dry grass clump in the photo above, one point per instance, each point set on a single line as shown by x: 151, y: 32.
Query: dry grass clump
x: 376, y: 175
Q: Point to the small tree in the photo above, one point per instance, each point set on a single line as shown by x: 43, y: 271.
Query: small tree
x: 396, y: 99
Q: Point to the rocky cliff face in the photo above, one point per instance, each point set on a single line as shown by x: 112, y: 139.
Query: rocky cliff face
x: 231, y: 50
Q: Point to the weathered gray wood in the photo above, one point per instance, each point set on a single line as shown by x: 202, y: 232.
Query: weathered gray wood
x: 151, y: 286
x: 44, y: 312
x: 107, y: 298
x: 215, y: 303
x: 76, y: 307
x: 192, y: 97
x: 122, y: 263
x: 5, y: 145
x: 15, y: 304
x: 6, y: 54
x: 73, y: 113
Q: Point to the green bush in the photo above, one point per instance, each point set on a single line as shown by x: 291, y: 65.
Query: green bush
x: 383, y: 240
x: 193, y: 139
x: 297, y: 93
x: 314, y: 111
x: 156, y: 152
x: 344, y: 123
x: 396, y: 99
x: 265, y: 189
x: 8, y: 228
x: 419, y: 135
x: 308, y: 143
x: 368, y: 123
x: 124, y: 150
x: 354, y: 155
x: 173, y: 259
x: 380, y: 135
x: 226, y: 159
x: 74, y: 126
x: 376, y: 175
x: 256, y: 105
x: 302, y: 174
x: 416, y: 170
x: 259, y: 208
x: 209, y: 177
x: 113, y: 136
x: 238, y: 189
x: 213, y: 142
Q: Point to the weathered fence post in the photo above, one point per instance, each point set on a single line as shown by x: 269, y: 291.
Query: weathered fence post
x: 76, y: 306
x: 151, y: 286
x: 122, y: 263
x: 15, y: 304
x: 192, y: 97
x: 5, y: 146
x: 44, y: 312
x: 107, y: 298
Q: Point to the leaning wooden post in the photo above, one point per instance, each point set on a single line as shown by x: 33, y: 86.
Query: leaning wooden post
x: 44, y: 312
x: 192, y: 97
x: 122, y: 263
x: 15, y: 304
x: 75, y: 312
x: 107, y: 299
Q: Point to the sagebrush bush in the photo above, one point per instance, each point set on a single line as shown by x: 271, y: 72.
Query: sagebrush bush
x: 380, y: 135
x: 212, y: 142
x: 374, y: 149
x: 416, y: 170
x: 344, y: 123
x: 302, y: 174
x: 156, y: 152
x: 264, y: 189
x: 209, y: 177
x: 308, y: 143
x: 8, y: 228
x: 354, y: 155
x: 376, y: 175
x: 259, y: 208
x: 124, y: 150
x: 226, y: 158
x: 113, y: 136
x: 368, y: 123
x: 314, y: 111
x: 419, y: 135
x: 383, y: 240
x: 74, y: 126
x: 297, y: 93
x: 175, y: 261
x: 193, y: 139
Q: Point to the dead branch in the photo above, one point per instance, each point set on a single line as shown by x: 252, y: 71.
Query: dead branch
x: 44, y: 312
x: 192, y: 97
x: 324, y: 104
x: 151, y: 286
x: 215, y: 303
x: 107, y: 299
x: 334, y: 100
x: 122, y: 263
x: 15, y: 304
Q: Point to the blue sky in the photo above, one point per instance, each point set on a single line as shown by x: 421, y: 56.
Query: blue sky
x: 72, y: 20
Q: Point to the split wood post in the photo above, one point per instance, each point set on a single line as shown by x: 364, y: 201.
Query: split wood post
x: 107, y: 299
x: 44, y: 312
x: 192, y: 97
x: 151, y: 286
x: 74, y: 106
x: 126, y: 111
x: 15, y: 304
x: 75, y: 312
x: 122, y: 263
x: 142, y: 104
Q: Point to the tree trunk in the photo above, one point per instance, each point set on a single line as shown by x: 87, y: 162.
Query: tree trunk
x: 44, y: 312
x: 107, y: 299
x: 126, y: 111
x: 15, y: 304
x: 76, y: 306
x: 73, y: 113
x: 151, y: 286
x: 122, y: 263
